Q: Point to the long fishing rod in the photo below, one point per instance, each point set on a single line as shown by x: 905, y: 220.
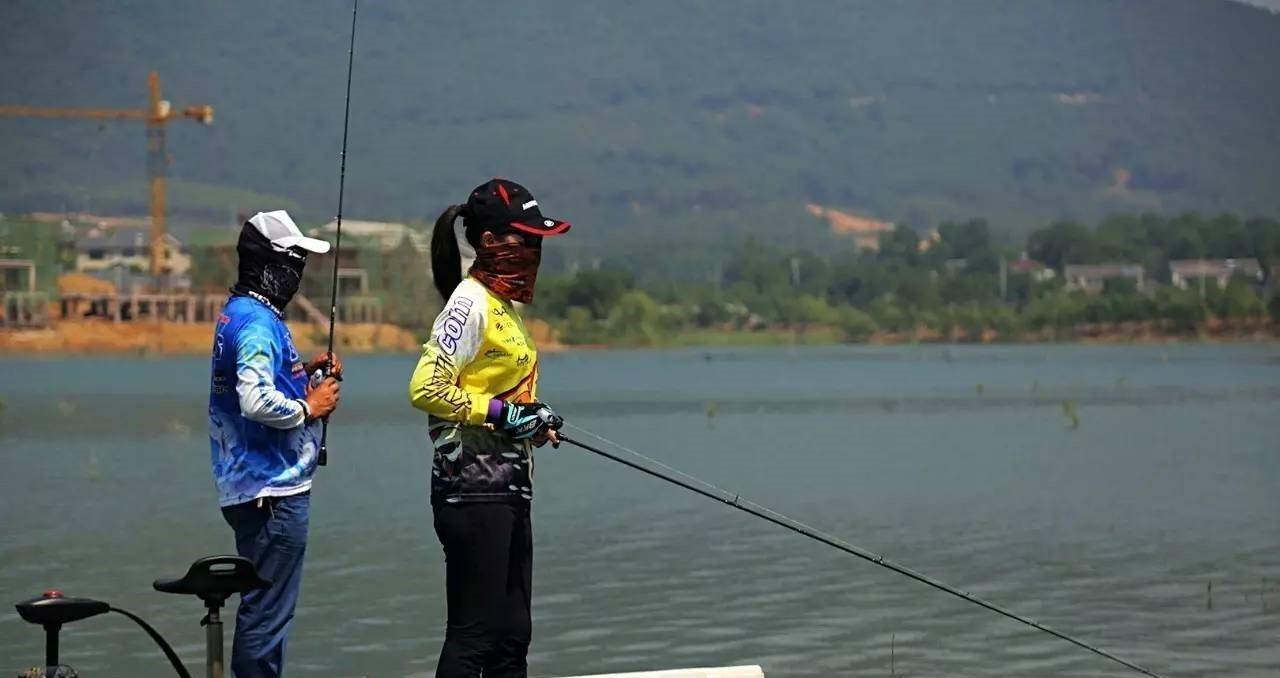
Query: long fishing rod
x: 796, y: 526
x: 323, y: 457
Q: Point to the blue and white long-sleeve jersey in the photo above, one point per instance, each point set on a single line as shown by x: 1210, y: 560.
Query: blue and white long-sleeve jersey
x: 261, y: 444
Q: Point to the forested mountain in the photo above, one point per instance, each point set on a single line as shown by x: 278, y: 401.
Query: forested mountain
x: 691, y: 120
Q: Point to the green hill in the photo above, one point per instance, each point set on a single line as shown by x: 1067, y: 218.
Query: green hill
x: 685, y: 121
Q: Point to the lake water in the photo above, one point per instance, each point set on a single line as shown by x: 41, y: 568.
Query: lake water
x: 1099, y: 490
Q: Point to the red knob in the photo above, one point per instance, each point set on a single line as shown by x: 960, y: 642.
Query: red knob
x: 53, y: 593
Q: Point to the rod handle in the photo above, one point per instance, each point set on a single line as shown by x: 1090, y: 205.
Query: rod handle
x: 322, y: 458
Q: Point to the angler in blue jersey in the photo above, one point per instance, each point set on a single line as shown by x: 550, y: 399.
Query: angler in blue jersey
x: 264, y: 432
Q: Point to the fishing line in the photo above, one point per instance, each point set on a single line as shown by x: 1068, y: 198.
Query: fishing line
x: 323, y: 457
x: 736, y: 501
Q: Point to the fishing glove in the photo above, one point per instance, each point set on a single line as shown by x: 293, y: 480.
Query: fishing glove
x: 524, y: 420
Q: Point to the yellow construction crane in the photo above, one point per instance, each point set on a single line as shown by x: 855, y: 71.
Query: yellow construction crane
x: 156, y: 115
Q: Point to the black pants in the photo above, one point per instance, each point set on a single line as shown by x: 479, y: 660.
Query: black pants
x: 488, y: 550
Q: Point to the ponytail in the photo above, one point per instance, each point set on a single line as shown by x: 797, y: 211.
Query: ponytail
x: 446, y: 260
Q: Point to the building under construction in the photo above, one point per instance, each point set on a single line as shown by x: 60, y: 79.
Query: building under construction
x: 158, y: 113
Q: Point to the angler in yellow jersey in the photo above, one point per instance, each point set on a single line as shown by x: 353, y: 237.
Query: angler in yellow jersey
x: 477, y: 380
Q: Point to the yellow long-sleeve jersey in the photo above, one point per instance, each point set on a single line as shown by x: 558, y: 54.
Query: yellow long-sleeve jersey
x: 479, y: 350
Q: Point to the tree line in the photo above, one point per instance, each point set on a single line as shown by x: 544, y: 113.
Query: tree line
x: 955, y: 283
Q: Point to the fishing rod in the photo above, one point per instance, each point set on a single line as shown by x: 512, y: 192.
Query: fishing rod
x: 323, y: 457
x: 796, y: 526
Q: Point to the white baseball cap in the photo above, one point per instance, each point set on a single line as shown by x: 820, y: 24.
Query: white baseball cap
x: 279, y: 228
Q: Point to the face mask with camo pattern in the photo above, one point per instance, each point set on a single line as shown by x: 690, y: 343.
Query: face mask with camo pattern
x: 509, y: 269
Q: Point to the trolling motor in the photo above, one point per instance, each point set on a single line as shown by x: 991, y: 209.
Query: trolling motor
x: 53, y: 609
x: 212, y: 579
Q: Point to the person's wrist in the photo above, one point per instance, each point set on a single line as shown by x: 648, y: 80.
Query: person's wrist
x: 494, y: 413
x: 306, y: 409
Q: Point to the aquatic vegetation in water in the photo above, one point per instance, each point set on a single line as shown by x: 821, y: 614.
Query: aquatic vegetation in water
x: 179, y: 430
x: 711, y: 410
x: 1071, y: 413
x: 979, y: 389
x: 893, y: 641
x: 66, y: 407
x: 92, y: 470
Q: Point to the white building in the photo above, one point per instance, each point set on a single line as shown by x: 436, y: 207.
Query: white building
x: 129, y: 248
x: 1093, y: 278
x: 1185, y: 272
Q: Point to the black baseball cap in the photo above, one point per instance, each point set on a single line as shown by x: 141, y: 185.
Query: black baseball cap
x: 502, y: 202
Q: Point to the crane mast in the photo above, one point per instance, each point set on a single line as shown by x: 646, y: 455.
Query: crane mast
x: 156, y: 115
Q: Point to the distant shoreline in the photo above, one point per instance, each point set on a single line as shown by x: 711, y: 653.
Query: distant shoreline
x: 1083, y: 335
x: 178, y: 339
x: 94, y: 337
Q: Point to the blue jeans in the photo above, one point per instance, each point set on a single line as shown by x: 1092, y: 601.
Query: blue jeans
x: 273, y: 536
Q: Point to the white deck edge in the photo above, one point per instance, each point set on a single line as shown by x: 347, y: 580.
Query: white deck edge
x: 710, y: 672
